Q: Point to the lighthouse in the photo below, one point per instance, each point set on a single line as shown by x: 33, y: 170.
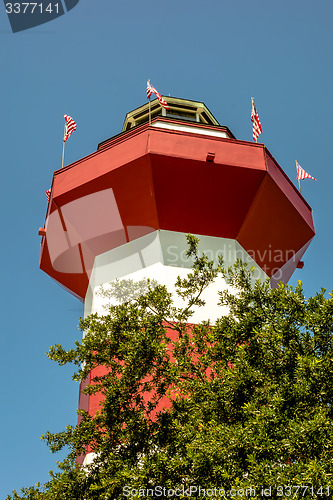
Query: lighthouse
x: 123, y: 211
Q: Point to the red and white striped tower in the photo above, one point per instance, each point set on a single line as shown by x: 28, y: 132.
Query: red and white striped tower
x: 124, y: 210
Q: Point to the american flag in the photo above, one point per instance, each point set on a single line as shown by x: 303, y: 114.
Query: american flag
x: 70, y: 126
x: 151, y: 90
x: 301, y: 174
x: 256, y: 129
x: 48, y: 194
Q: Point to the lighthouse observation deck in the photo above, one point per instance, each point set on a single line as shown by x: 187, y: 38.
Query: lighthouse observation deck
x: 178, y: 172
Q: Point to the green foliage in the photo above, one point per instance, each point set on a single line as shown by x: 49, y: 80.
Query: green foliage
x: 246, y: 402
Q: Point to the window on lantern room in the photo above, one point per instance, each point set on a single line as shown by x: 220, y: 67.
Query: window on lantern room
x: 180, y: 114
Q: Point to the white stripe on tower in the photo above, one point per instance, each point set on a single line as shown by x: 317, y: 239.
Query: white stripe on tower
x: 161, y: 255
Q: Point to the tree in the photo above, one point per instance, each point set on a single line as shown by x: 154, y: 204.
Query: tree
x: 249, y: 398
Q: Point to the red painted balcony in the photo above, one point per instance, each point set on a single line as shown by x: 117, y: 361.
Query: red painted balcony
x: 175, y: 176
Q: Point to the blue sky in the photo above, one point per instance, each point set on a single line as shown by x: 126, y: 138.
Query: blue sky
x: 93, y: 64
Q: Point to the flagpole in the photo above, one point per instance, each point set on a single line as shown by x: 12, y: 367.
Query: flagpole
x: 63, y: 148
x: 299, y: 182
x: 149, y: 104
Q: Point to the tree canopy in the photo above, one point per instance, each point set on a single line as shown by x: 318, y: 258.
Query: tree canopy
x: 243, y: 405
